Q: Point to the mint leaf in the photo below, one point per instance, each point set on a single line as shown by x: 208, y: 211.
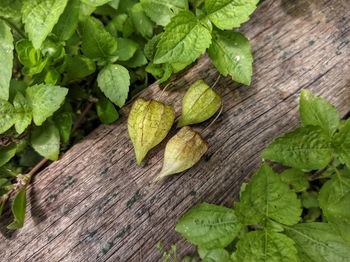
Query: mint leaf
x: 18, y: 209
x: 142, y: 23
x: 309, y: 199
x: 64, y: 123
x: 214, y: 255
x: 296, y: 179
x: 39, y: 18
x: 266, y: 196
x: 317, y: 111
x: 227, y: 14
x: 78, y: 67
x: 6, y: 58
x: 161, y: 11
x: 306, y: 148
x: 114, y: 81
x: 95, y: 2
x: 126, y: 49
x: 68, y: 21
x: 231, y: 54
x: 98, y: 43
x: 151, y: 46
x: 7, y: 152
x: 45, y: 140
x: 137, y: 60
x: 45, y: 100
x: 7, y: 116
x: 265, y: 246
x: 11, y: 8
x: 341, y: 143
x: 318, y: 242
x: 183, y: 41
x: 209, y: 226
x: 106, y: 111
x: 334, y: 199
x: 23, y: 112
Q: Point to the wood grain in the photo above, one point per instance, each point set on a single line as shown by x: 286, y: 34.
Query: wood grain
x: 96, y: 204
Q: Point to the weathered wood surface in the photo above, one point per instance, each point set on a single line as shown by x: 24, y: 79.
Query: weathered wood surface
x: 95, y: 204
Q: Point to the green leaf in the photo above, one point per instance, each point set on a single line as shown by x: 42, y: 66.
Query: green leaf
x: 23, y: 112
x: 11, y: 9
x: 7, y: 116
x: 306, y: 148
x: 39, y: 18
x: 200, y: 103
x: 266, y: 196
x: 114, y: 81
x: 317, y: 111
x: 6, y: 58
x: 231, y: 54
x: 45, y: 100
x: 309, y: 199
x: 106, y: 111
x: 137, y: 60
x: 95, y: 3
x: 334, y: 198
x: 265, y: 246
x: 45, y: 140
x: 162, y: 11
x: 27, y: 54
x: 148, y: 124
x: 209, y: 226
x: 214, y: 255
x: 151, y: 46
x: 142, y: 23
x: 182, y: 151
x: 98, y: 43
x: 227, y: 14
x: 78, y: 67
x: 126, y: 49
x: 184, y: 40
x: 7, y: 152
x: 296, y: 179
x: 318, y: 242
x: 18, y: 209
x: 341, y: 143
x: 64, y: 123
x: 68, y: 21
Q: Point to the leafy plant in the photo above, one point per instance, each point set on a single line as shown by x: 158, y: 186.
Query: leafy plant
x: 301, y: 214
x: 62, y: 58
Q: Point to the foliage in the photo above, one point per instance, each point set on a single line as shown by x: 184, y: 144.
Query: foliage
x: 60, y: 57
x: 301, y: 214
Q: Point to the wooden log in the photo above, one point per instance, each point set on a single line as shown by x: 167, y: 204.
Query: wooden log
x: 96, y: 204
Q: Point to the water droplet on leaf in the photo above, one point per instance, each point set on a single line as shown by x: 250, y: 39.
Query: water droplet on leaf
x: 148, y: 124
x: 199, y: 104
x: 182, y: 152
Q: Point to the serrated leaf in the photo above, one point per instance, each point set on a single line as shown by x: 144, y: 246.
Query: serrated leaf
x: 199, y: 104
x: 334, y: 199
x: 151, y: 46
x: 68, y: 21
x: 341, y: 143
x: 182, y: 152
x: 78, y: 67
x: 161, y: 12
x: 296, y: 179
x: 137, y: 60
x: 209, y: 226
x: 184, y: 40
x: 114, y: 81
x: 18, y: 209
x: 45, y: 100
x: 265, y: 246
x: 23, y: 113
x: 95, y: 2
x: 7, y: 116
x: 306, y: 148
x: 318, y: 242
x: 45, y: 140
x: 6, y: 58
x: 39, y: 18
x: 228, y: 14
x: 309, y: 199
x: 97, y: 43
x: 317, y: 111
x: 64, y: 123
x: 126, y: 49
x: 141, y: 22
x: 11, y: 9
x: 7, y: 152
x: 231, y: 54
x: 214, y: 255
x: 106, y: 111
x: 266, y: 196
x: 148, y: 124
